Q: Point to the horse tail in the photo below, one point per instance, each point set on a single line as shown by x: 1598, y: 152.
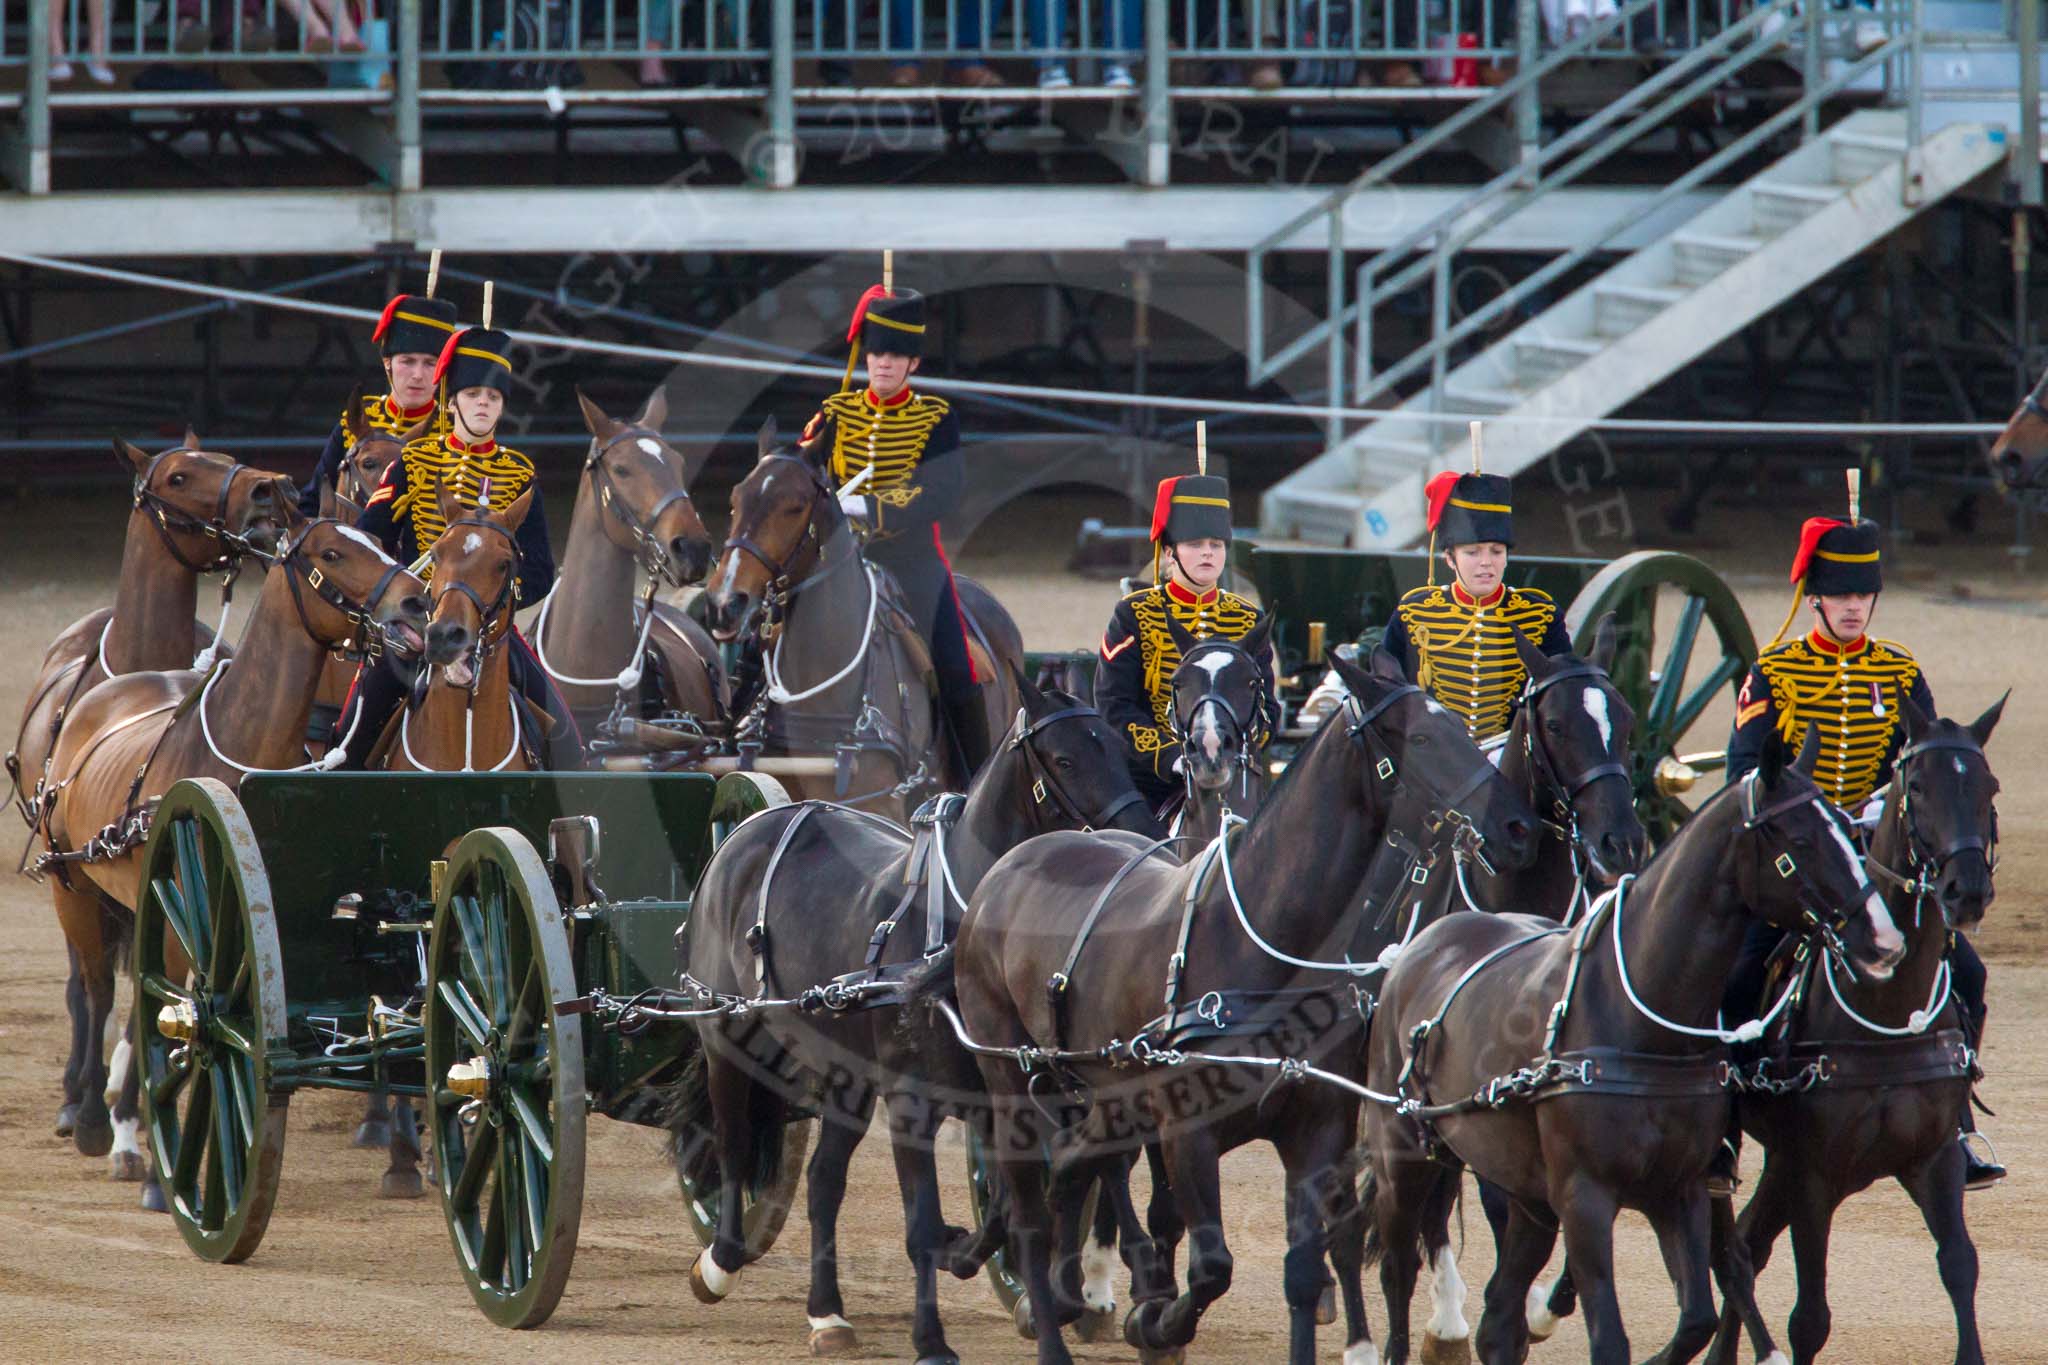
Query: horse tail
x: 690, y: 1120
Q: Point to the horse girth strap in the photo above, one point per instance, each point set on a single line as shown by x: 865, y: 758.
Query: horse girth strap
x: 1863, y: 1064
x: 1056, y: 985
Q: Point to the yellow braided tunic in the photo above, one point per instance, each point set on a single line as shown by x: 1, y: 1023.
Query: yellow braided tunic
x: 1851, y: 694
x: 1462, y: 649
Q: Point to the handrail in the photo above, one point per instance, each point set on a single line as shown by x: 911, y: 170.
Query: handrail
x: 1259, y: 367
x: 1896, y: 45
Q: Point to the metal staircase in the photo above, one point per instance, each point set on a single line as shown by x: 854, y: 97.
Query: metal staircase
x: 1651, y: 313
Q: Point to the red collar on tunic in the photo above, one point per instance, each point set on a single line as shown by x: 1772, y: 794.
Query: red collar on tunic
x: 483, y: 447
x: 1189, y: 598
x: 901, y: 397
x: 1826, y: 647
x: 398, y: 414
x: 1466, y: 599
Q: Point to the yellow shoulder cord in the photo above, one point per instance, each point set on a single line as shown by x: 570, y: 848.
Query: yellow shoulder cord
x: 1798, y: 596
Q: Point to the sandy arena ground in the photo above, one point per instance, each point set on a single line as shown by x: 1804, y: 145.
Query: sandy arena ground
x: 344, y: 1276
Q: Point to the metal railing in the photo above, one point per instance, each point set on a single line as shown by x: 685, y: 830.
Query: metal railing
x: 1423, y: 256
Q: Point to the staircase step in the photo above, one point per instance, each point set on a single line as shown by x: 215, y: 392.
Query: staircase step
x: 1539, y: 360
x: 1619, y: 309
x: 1319, y: 518
x: 1854, y: 157
x: 1700, y: 256
x: 1479, y: 399
x: 1777, y: 206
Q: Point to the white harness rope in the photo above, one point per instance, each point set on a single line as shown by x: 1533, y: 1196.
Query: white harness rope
x: 209, y: 656
x: 781, y: 695
x: 1744, y: 1033
x: 1916, y: 1023
x: 327, y: 762
x: 468, y: 737
x: 625, y: 679
x: 1219, y: 850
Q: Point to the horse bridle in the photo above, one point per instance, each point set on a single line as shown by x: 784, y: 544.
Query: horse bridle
x: 361, y: 493
x: 1563, y: 791
x: 653, y: 555
x: 781, y: 571
x: 167, y: 517
x: 1251, y: 732
x: 1046, y: 787
x: 1444, y: 810
x: 489, y: 614
x: 366, y: 637
x: 1923, y: 865
x: 1816, y: 915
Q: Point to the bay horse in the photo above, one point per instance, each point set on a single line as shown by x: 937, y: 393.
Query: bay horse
x: 193, y: 512
x: 1890, y: 1062
x: 2019, y: 457
x: 131, y: 737
x: 759, y: 926
x: 845, y: 671
x: 614, y: 651
x: 1219, y: 716
x: 1058, y: 970
x: 1580, y: 1079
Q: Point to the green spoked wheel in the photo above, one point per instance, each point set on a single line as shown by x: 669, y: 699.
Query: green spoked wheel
x: 505, y: 1096
x: 209, y: 1017
x: 738, y: 796
x: 1683, y: 641
x: 982, y: 1175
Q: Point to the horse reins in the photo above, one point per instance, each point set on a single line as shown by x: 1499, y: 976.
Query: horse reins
x: 167, y: 517
x: 1045, y: 786
x: 1252, y: 734
x: 653, y: 555
x: 1920, y: 863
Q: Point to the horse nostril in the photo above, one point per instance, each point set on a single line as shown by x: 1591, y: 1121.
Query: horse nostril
x: 1519, y: 831
x: 2011, y: 466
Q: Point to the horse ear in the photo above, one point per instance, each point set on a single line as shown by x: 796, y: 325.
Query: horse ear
x: 446, y: 499
x: 1915, y: 719
x: 132, y: 455
x: 191, y: 439
x: 1602, y: 656
x: 764, y: 439
x: 1357, y: 681
x: 1027, y: 691
x: 337, y: 504
x: 1981, y: 728
x: 1386, y: 667
x: 654, y: 412
x: 513, y: 516
x: 352, y: 415
x: 600, y: 424
x: 1809, y: 750
x: 1770, y: 764
x: 1535, y: 660
x: 1255, y: 640
x: 328, y: 495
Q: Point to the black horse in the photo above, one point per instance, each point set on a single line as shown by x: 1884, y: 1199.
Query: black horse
x: 1894, y: 1056
x: 1220, y: 718
x: 803, y: 895
x: 1581, y: 1070
x: 1066, y: 944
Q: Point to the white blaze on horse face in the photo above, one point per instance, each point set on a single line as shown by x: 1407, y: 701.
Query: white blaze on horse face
x: 1213, y: 663
x: 363, y: 540
x: 1885, y: 936
x: 1447, y: 1300
x: 471, y: 543
x: 1595, y: 702
x: 649, y: 447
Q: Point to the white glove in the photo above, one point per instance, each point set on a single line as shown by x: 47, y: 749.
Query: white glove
x: 855, y: 505
x: 1874, y: 807
x: 1176, y: 764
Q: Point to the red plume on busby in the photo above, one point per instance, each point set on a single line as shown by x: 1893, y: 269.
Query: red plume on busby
x: 1809, y: 541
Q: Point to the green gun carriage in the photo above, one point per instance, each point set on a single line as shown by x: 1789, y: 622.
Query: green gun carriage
x: 442, y: 936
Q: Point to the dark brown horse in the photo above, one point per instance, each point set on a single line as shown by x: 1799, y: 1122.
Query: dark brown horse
x: 1582, y: 1071
x: 131, y: 737
x: 193, y: 513
x: 1262, y: 949
x: 845, y: 672
x: 1892, y: 1057
x: 1219, y: 716
x: 616, y: 651
x: 759, y: 927
x: 2019, y: 457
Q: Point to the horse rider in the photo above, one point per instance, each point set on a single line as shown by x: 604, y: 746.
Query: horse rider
x: 1458, y: 639
x: 908, y: 445
x: 473, y: 375
x: 410, y: 336
x: 1134, y: 680
x: 1852, y: 688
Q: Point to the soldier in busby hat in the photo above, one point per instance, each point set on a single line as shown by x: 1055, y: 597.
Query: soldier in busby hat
x: 472, y: 375
x: 409, y: 337
x: 1134, y: 677
x: 1457, y: 639
x: 903, y: 447
x: 1853, y: 689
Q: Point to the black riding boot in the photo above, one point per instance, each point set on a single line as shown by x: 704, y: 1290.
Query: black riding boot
x: 1978, y: 1173
x: 967, y: 727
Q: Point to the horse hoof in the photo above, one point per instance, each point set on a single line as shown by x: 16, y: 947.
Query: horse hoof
x: 708, y: 1282
x: 153, y: 1198
x: 1021, y: 1316
x: 1096, y: 1324
x: 831, y: 1341
x: 1138, y: 1323
x: 1439, y: 1351
x: 400, y: 1185
x: 372, y: 1133
x: 1326, y: 1306
x: 93, y: 1139
x: 128, y: 1166
x: 67, y: 1119
x: 942, y: 1358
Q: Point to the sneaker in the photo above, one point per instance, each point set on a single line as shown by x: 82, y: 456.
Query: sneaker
x: 1978, y: 1172
x: 1117, y: 76
x: 1721, y: 1181
x: 1054, y: 77
x: 60, y: 70
x: 101, y: 73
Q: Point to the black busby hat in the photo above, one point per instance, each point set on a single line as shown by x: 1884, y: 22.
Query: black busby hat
x: 1191, y: 507
x: 475, y: 359
x: 1464, y: 508
x: 414, y: 324
x: 1837, y: 557
x: 885, y: 319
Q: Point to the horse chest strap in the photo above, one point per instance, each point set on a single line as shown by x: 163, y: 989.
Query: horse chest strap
x: 757, y: 935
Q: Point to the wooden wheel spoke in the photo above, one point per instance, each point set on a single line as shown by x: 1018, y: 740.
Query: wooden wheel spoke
x: 193, y: 885
x: 160, y: 986
x: 228, y: 949
x: 512, y: 1200
x: 533, y: 1127
x: 1700, y: 698
x: 494, y: 904
x: 490, y: 1257
x: 534, y: 1175
x: 470, y: 942
x: 468, y: 1017
x: 228, y: 1145
x: 236, y: 1035
x: 527, y: 1004
x: 164, y: 1089
x: 193, y: 1131
x: 477, y: 1160
x: 172, y: 902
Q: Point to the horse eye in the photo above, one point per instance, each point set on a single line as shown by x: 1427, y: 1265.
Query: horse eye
x: 1419, y: 741
x: 1066, y: 764
x: 1553, y: 727
x: 177, y: 480
x: 329, y: 555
